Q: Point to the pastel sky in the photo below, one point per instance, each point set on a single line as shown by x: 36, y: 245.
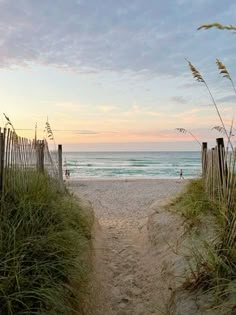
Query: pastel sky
x: 112, y: 75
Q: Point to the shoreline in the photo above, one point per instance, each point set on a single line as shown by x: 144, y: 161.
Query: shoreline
x: 127, y: 179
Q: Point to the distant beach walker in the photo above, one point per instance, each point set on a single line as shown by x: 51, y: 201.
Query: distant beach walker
x: 67, y: 174
x: 181, y: 174
x: 184, y: 164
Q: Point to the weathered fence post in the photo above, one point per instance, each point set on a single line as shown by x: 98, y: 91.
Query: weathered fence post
x: 204, y: 158
x: 213, y: 171
x: 2, y: 153
x: 221, y: 157
x: 60, y: 163
x: 40, y: 156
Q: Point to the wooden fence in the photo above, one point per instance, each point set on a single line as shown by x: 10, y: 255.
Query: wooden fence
x: 218, y: 172
x: 18, y: 154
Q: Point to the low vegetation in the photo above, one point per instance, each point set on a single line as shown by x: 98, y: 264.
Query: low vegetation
x: 44, y: 246
x: 193, y: 203
x: 215, y: 259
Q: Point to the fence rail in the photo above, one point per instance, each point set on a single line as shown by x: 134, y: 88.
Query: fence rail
x: 18, y: 154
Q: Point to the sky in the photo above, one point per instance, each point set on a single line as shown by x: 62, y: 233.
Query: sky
x: 113, y: 75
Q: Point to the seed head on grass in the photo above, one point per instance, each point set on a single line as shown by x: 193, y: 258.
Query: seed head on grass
x: 9, y: 124
x: 225, y: 73
x: 48, y: 131
x: 217, y: 25
x: 182, y: 130
x: 222, y: 131
x: 219, y: 129
x: 196, y: 74
x: 223, y: 69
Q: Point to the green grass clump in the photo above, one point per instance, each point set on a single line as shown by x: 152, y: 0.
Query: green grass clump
x: 214, y: 256
x: 44, y: 240
x: 193, y: 202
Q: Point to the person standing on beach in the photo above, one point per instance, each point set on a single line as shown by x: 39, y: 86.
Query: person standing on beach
x: 181, y: 174
x: 67, y: 174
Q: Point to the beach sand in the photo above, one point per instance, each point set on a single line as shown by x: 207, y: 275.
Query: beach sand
x: 126, y: 267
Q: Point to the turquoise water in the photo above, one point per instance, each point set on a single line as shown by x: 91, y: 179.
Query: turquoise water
x: 132, y: 164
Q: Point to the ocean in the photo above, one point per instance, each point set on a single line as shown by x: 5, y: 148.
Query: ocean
x: 132, y: 164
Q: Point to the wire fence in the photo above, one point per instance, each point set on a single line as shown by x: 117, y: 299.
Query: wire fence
x: 19, y: 156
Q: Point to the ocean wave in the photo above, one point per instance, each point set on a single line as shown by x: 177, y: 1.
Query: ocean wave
x: 133, y: 164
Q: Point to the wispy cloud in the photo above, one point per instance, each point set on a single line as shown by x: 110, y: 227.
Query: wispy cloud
x: 81, y: 132
x: 84, y: 132
x: 227, y: 99
x: 66, y: 106
x: 188, y: 113
x: 179, y: 99
x: 146, y: 37
x: 136, y: 110
x: 106, y: 108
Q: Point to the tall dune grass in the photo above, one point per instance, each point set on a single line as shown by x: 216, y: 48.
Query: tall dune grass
x: 215, y: 195
x: 215, y: 269
x: 44, y: 240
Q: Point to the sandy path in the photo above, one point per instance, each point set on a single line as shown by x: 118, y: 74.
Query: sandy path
x: 125, y: 266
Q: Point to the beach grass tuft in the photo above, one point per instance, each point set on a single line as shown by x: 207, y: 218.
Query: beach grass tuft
x: 193, y: 202
x: 44, y: 245
x: 214, y: 258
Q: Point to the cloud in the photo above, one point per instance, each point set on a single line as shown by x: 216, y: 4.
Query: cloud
x: 106, y: 108
x: 136, y: 110
x: 227, y: 99
x: 67, y: 106
x: 85, y: 132
x: 179, y: 99
x: 152, y: 113
x: 80, y: 132
x: 188, y: 113
x: 124, y: 36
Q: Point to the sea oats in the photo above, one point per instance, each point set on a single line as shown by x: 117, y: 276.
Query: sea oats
x: 182, y: 130
x: 219, y: 129
x: 217, y: 25
x: 223, y: 69
x: 196, y: 74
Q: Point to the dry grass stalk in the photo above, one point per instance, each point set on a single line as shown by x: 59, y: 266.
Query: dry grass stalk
x: 226, y: 74
x: 196, y: 74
